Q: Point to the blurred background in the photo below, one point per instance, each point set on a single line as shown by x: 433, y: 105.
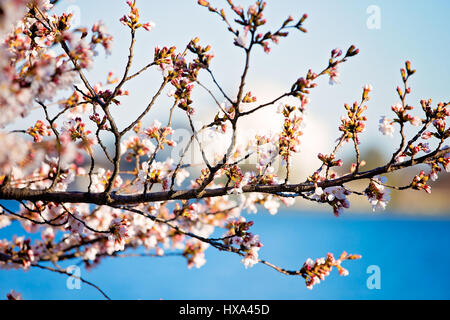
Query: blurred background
x: 408, y: 242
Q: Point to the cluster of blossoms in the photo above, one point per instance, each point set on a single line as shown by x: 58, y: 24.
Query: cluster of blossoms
x: 101, y: 36
x: 266, y: 150
x: 289, y: 140
x: 42, y: 74
x: 181, y: 81
x: 400, y: 111
x: 100, y: 180
x: 434, y: 116
x: 182, y: 74
x: 140, y: 145
x: 249, y: 98
x: 412, y: 150
x: 160, y: 134
x: 135, y: 146
x: 156, y: 173
x: 108, y: 95
x: 438, y: 116
x: 39, y: 130
x: 401, y: 108
x: 301, y: 87
x: 203, y: 55
x: 252, y: 20
x: 194, y: 253
x: 104, y: 230
x: 443, y: 162
x: 35, y: 71
x: 132, y: 19
x: 377, y: 193
x: 163, y: 58
x: 315, y: 271
x: 246, y: 242
x: 270, y: 202
x: 354, y: 123
x: 386, y: 126
x: 80, y: 50
x: 336, y: 197
x: 333, y: 71
x: 21, y: 251
x: 76, y: 130
x: 420, y: 182
x: 74, y: 106
x: 235, y: 176
x: 119, y: 232
x: 330, y: 160
x: 334, y: 62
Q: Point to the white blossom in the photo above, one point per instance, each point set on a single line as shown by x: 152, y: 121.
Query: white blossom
x: 386, y: 126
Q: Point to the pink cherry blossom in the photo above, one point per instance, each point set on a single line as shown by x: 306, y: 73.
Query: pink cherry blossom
x: 386, y: 126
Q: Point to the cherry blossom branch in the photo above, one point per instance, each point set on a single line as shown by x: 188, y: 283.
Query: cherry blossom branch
x: 402, y: 96
x: 51, y: 123
x: 7, y: 193
x: 151, y: 64
x: 284, y: 95
x: 219, y: 86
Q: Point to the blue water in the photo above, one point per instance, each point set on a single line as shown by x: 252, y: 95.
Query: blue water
x: 412, y: 254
